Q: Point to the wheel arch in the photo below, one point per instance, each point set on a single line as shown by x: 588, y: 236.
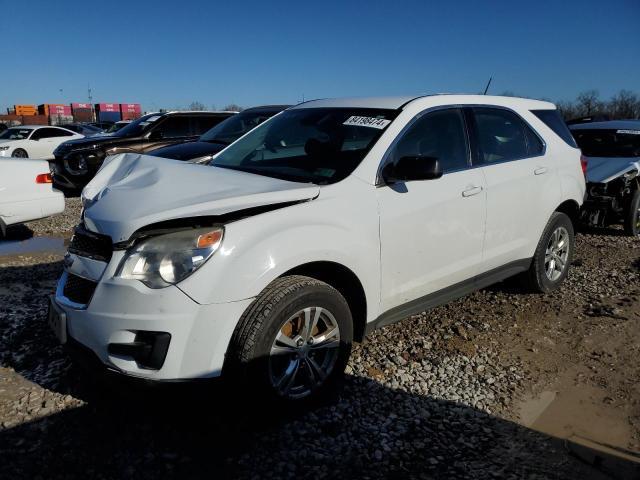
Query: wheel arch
x: 571, y: 208
x: 346, y: 282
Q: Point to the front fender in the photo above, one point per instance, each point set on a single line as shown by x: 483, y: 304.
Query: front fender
x: 257, y: 250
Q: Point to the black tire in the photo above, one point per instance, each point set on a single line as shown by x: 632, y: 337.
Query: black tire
x: 632, y: 216
x: 20, y: 153
x: 537, y: 279
x: 249, y: 364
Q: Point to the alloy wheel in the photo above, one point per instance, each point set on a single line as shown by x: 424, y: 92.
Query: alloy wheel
x: 304, y: 352
x: 557, y: 254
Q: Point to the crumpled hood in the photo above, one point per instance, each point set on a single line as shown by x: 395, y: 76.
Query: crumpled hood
x: 131, y: 191
x: 603, y: 170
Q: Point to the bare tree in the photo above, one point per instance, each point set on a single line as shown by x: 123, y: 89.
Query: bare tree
x: 624, y: 104
x: 588, y: 103
x: 232, y: 107
x: 567, y: 109
x: 197, y: 106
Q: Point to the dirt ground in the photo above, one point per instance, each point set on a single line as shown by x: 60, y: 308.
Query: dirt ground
x: 550, y: 389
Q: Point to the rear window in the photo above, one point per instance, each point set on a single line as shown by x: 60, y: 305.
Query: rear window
x: 554, y: 121
x: 608, y: 143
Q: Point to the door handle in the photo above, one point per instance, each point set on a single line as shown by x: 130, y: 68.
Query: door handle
x: 540, y: 170
x: 471, y: 191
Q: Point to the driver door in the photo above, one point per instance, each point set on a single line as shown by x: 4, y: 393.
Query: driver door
x: 42, y: 143
x: 431, y: 231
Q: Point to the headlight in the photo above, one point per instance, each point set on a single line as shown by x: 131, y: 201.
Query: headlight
x: 168, y: 259
x: 2, y: 149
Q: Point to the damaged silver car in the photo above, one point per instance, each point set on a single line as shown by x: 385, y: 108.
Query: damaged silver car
x: 612, y: 151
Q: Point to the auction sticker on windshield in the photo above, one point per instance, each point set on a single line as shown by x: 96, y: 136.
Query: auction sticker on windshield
x: 372, y: 122
x: 629, y: 132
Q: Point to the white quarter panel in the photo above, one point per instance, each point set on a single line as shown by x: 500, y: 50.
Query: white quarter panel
x: 21, y: 198
x: 431, y: 235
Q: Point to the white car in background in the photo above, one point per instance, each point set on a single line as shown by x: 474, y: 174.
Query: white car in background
x: 26, y: 192
x: 34, y: 141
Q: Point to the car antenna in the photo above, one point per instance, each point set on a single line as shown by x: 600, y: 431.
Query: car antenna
x: 487, y: 87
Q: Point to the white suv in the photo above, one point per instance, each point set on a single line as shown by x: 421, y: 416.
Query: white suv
x: 330, y: 220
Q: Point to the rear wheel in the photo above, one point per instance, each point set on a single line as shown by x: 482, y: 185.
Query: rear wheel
x: 20, y: 153
x: 293, y: 343
x: 553, y: 255
x: 632, y: 217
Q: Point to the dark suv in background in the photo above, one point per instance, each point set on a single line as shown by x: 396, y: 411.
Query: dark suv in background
x: 77, y: 161
x: 221, y: 135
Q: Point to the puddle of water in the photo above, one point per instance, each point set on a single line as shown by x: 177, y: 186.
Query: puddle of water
x: 32, y: 245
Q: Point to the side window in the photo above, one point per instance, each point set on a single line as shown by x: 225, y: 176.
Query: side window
x: 44, y: 133
x: 502, y: 135
x: 440, y: 134
x: 61, y: 133
x: 203, y: 124
x: 554, y: 121
x: 174, y: 127
x: 534, y: 144
x: 37, y: 135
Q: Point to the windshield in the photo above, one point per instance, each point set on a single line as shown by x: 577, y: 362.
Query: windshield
x: 115, y: 127
x: 137, y: 127
x: 319, y: 145
x: 91, y: 129
x: 608, y: 143
x: 234, y: 127
x: 16, y: 134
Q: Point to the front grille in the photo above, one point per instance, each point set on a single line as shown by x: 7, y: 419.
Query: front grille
x: 78, y: 289
x: 91, y: 245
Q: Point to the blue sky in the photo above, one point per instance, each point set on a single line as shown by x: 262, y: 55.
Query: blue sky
x: 167, y: 54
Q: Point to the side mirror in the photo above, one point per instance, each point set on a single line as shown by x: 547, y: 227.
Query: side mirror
x: 412, y: 168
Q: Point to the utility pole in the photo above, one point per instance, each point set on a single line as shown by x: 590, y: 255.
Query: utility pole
x: 93, y: 113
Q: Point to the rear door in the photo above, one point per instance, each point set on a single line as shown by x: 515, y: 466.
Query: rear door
x: 173, y: 129
x: 522, y: 186
x: 45, y: 140
x: 202, y: 124
x: 431, y: 231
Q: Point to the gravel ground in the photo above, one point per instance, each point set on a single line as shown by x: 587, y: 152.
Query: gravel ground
x: 435, y: 396
x: 60, y: 224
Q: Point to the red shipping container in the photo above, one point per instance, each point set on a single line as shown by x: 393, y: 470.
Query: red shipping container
x: 108, y: 107
x: 59, y: 110
x: 44, y: 108
x: 81, y: 106
x: 130, y: 107
x: 130, y: 111
x: 83, y: 115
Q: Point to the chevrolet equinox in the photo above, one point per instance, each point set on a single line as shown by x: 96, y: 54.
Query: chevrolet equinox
x: 327, y: 221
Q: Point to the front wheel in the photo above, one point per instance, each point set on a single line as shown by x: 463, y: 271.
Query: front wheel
x: 293, y: 343
x: 632, y: 217
x: 20, y: 153
x: 553, y: 255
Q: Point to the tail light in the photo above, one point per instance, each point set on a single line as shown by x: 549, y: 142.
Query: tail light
x: 44, y: 178
x: 583, y: 162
